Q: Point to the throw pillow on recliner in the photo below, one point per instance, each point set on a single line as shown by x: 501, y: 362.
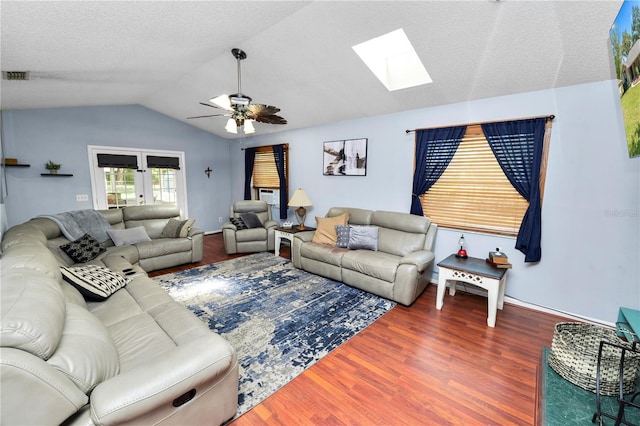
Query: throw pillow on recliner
x: 93, y: 281
x: 177, y: 228
x: 83, y: 249
x: 251, y: 220
x: 238, y: 223
x: 128, y: 236
x: 363, y: 237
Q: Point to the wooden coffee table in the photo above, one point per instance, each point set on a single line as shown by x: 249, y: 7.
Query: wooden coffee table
x: 476, y: 272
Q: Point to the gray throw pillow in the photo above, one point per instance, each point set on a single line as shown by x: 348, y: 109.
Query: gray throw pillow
x: 251, y: 220
x: 363, y: 237
x: 238, y: 223
x: 128, y: 236
x: 83, y: 249
x: 177, y: 228
x: 343, y: 236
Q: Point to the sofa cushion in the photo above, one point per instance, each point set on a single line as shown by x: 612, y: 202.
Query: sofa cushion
x: 86, y: 353
x: 375, y: 264
x: 326, y: 230
x: 128, y: 236
x: 323, y: 253
x: 83, y: 249
x: 177, y: 228
x: 93, y: 281
x: 32, y: 310
x: 250, y: 235
x: 356, y: 216
x: 163, y: 246
x: 363, y: 237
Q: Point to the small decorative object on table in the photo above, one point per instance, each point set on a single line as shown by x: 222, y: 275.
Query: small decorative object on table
x: 462, y: 253
x: 52, y: 167
x: 498, y: 259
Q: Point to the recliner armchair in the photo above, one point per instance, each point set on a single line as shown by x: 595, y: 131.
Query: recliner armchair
x: 237, y: 239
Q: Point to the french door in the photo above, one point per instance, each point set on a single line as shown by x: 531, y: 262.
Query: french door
x: 132, y: 177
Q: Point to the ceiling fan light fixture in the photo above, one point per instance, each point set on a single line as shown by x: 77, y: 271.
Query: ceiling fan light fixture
x: 231, y: 126
x: 222, y: 101
x: 239, y: 99
x: 248, y: 127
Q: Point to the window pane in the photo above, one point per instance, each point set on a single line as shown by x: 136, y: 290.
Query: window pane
x: 163, y: 183
x: 120, y: 187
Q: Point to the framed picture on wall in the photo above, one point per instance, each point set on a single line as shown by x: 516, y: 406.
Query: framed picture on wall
x: 345, y: 158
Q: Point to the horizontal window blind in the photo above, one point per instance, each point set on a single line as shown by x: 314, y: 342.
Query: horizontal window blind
x: 265, y: 173
x: 473, y: 193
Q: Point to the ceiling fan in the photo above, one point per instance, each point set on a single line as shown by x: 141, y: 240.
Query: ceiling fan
x: 239, y: 108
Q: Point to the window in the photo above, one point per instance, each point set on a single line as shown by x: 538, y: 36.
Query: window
x: 265, y: 173
x: 473, y: 193
x: 129, y: 177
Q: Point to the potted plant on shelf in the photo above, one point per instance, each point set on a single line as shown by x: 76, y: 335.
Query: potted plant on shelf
x: 52, y: 167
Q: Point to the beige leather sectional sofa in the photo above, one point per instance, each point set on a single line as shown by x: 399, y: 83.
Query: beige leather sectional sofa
x: 137, y: 357
x: 400, y: 269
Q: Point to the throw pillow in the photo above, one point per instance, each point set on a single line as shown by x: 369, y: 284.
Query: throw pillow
x: 326, y: 231
x: 83, y: 249
x: 251, y: 220
x: 238, y: 223
x: 363, y: 237
x: 128, y: 236
x: 93, y: 281
x: 177, y: 228
x: 342, y: 232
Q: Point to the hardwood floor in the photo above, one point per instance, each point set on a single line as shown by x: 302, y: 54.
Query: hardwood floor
x: 417, y: 366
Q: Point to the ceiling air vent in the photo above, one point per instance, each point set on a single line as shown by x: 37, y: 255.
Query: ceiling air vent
x: 15, y: 75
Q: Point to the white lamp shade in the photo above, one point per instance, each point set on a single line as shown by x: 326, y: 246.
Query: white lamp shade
x: 300, y: 199
x: 248, y: 127
x: 231, y: 126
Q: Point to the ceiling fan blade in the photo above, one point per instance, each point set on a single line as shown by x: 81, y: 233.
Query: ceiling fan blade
x: 261, y: 109
x: 215, y: 106
x: 205, y: 116
x: 271, y: 119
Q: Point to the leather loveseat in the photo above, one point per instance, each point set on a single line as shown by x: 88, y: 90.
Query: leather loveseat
x: 137, y: 357
x: 400, y: 269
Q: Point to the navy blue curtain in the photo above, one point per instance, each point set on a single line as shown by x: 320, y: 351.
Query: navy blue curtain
x: 517, y: 146
x: 249, y: 159
x: 434, y: 150
x: 278, y: 154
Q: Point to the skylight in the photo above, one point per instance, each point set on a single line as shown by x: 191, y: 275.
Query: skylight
x: 392, y: 59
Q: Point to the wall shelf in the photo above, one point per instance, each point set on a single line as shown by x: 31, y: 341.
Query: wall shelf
x: 56, y: 175
x: 17, y: 165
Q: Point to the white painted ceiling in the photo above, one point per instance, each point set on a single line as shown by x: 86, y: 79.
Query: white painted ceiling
x: 170, y: 55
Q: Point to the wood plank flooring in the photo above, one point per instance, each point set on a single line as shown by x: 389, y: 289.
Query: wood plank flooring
x: 417, y: 366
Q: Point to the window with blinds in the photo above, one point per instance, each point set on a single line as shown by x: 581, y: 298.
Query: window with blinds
x: 473, y: 193
x: 265, y: 173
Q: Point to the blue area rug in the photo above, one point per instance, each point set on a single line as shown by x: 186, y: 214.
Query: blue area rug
x: 280, y: 319
x: 566, y: 404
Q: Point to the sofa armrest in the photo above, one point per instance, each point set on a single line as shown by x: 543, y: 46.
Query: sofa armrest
x: 195, y: 231
x: 230, y: 226
x: 422, y: 259
x: 271, y: 224
x: 149, y: 391
x: 304, y: 236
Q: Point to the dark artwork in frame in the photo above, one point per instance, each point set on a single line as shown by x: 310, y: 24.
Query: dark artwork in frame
x: 345, y: 158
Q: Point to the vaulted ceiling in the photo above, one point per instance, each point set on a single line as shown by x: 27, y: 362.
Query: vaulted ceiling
x: 169, y: 56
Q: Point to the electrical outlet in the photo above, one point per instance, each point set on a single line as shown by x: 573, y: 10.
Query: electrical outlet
x: 82, y: 197
x: 220, y: 219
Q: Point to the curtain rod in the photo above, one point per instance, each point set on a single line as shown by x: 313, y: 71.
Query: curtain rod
x: 548, y: 117
x: 286, y: 146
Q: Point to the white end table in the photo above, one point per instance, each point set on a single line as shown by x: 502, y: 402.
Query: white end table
x: 287, y: 234
x: 477, y: 272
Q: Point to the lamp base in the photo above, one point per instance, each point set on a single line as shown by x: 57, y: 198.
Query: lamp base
x: 301, y: 214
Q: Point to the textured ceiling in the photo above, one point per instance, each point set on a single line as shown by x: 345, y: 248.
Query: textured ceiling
x: 168, y: 56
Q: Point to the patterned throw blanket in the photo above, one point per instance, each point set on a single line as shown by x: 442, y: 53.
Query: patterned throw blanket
x: 75, y: 224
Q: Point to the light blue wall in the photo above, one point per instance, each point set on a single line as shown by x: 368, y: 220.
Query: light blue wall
x: 591, y: 211
x: 62, y: 135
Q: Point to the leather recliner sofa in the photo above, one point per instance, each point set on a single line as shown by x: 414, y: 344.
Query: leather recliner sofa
x: 399, y: 270
x: 137, y: 357
x: 250, y: 240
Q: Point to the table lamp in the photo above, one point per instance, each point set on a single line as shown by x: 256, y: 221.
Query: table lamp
x: 300, y: 200
x: 462, y: 253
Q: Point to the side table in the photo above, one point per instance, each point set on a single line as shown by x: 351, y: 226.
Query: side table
x: 473, y: 271
x: 287, y: 234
